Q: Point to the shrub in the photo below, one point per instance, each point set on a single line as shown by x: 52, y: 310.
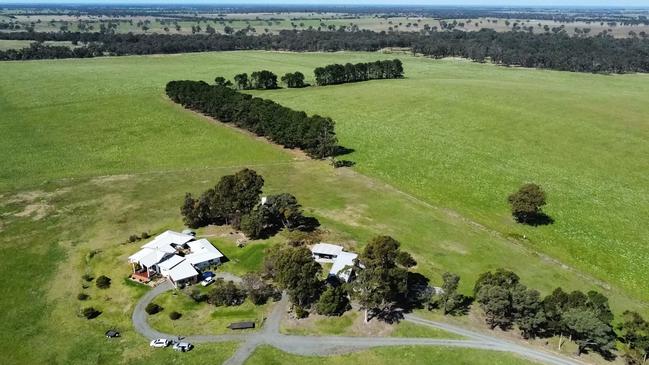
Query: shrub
x: 87, y: 277
x: 83, y: 296
x: 103, y: 282
x: 145, y: 235
x: 152, y: 308
x: 174, y: 315
x: 90, y: 312
x: 133, y: 238
x: 301, y: 312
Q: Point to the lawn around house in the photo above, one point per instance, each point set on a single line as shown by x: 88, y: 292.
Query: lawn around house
x: 203, y: 318
x: 108, y: 156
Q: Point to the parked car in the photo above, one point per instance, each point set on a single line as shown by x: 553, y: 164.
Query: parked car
x: 160, y: 343
x: 183, y: 346
x: 207, y: 281
x: 112, y: 334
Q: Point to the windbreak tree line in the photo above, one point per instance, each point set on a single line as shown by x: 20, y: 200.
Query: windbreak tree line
x: 314, y: 134
x: 258, y: 80
x: 558, y: 51
x: 340, y: 74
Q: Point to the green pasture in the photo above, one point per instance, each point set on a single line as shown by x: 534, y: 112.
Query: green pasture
x: 93, y: 152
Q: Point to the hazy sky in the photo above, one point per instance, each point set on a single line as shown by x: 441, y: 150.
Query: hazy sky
x: 617, y: 3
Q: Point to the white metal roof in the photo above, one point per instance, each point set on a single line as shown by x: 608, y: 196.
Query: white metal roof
x: 201, y: 251
x: 182, y: 271
x: 326, y: 249
x: 153, y: 257
x: 170, y: 262
x: 165, y: 239
x: 343, y: 264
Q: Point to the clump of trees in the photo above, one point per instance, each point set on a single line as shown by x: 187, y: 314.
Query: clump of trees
x: 290, y: 128
x: 260, y: 80
x: 527, y: 203
x: 236, y: 200
x: 231, y: 198
x: 340, y: 74
x: 382, y: 282
x: 294, y: 79
x: 294, y: 270
x: 226, y: 293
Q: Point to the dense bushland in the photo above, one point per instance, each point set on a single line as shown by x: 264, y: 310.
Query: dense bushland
x: 340, y: 74
x: 292, y: 129
x: 558, y: 51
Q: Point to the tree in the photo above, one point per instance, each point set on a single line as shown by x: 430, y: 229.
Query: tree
x: 236, y: 195
x: 294, y: 80
x: 263, y: 80
x: 190, y: 212
x: 495, y: 301
x: 257, y: 289
x: 634, y: 333
x: 449, y: 299
x: 294, y: 269
x: 588, y: 331
x: 222, y: 81
x: 241, y: 80
x: 526, y: 203
x: 103, y: 282
x: 382, y: 283
x: 528, y: 311
x: 226, y: 293
x: 152, y: 308
x: 334, y: 301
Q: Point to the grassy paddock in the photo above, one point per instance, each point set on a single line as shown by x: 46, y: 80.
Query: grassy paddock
x: 93, y: 153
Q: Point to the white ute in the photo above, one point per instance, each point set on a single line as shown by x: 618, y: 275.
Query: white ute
x: 160, y: 343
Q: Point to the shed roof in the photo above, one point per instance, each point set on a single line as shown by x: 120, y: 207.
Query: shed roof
x: 343, y: 265
x: 326, y: 249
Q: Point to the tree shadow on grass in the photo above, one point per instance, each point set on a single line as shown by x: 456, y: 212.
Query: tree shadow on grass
x: 539, y: 219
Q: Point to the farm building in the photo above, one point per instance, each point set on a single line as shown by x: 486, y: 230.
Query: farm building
x: 176, y: 256
x: 343, y: 262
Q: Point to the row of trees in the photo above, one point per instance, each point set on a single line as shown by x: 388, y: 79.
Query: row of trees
x: 290, y: 128
x: 601, y: 53
x: 236, y: 200
x: 340, y: 74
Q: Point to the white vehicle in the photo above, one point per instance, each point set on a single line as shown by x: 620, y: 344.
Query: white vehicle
x: 207, y: 281
x: 183, y: 346
x: 160, y: 343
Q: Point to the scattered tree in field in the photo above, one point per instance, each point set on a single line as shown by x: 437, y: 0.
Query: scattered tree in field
x: 152, y: 308
x: 257, y: 289
x: 294, y: 269
x: 103, y: 282
x: 334, y: 301
x: 294, y: 79
x: 526, y: 204
x: 226, y: 293
x: 382, y: 283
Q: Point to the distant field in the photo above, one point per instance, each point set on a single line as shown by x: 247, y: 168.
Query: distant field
x: 93, y: 152
x: 6, y: 44
x: 275, y: 22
